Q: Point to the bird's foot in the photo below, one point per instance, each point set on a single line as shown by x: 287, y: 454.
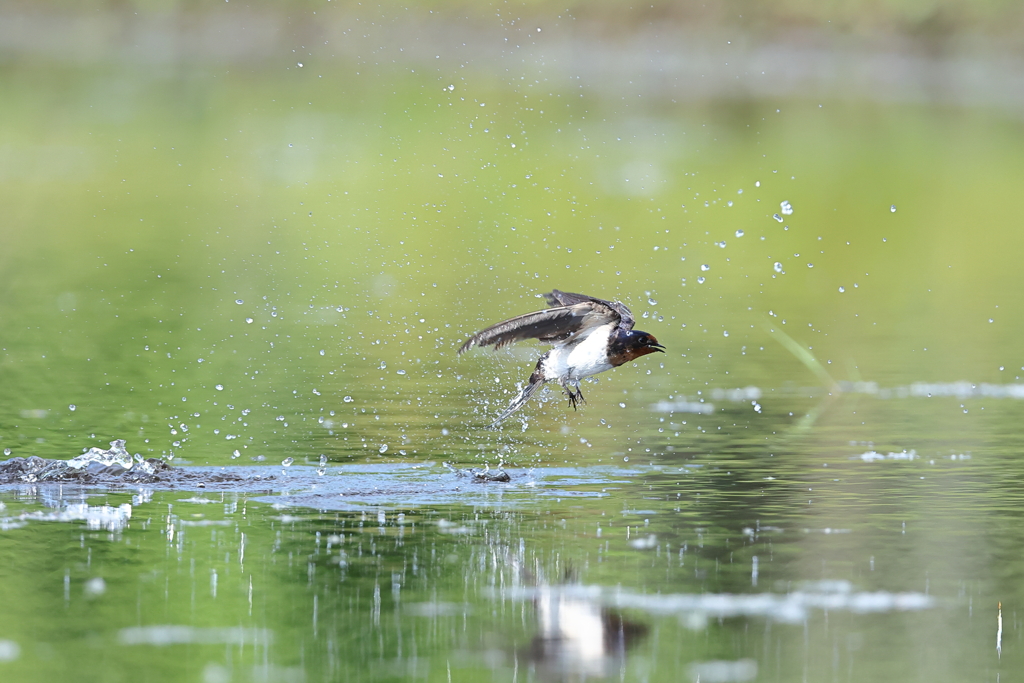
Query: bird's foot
x: 575, y: 397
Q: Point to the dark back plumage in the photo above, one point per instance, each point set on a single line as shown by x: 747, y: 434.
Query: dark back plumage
x: 569, y: 315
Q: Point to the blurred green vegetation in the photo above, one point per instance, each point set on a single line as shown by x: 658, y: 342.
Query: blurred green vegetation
x: 370, y: 214
x: 922, y: 17
x: 141, y: 209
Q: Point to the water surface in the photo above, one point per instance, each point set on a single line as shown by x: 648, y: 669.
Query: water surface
x: 230, y: 263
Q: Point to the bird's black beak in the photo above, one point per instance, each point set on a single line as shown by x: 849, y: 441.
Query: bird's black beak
x: 657, y: 347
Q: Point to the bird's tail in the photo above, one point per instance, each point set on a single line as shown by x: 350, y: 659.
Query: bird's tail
x: 536, y: 380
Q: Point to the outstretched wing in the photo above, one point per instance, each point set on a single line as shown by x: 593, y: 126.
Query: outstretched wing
x: 551, y: 325
x: 559, y: 298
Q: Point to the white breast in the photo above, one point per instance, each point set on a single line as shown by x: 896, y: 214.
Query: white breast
x: 586, y: 357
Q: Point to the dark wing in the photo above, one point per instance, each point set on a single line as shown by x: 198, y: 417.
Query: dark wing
x: 559, y: 298
x: 552, y: 325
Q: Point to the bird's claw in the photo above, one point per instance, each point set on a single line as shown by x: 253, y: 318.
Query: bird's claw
x: 575, y: 397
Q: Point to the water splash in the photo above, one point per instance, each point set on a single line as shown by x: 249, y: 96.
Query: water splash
x: 117, y: 455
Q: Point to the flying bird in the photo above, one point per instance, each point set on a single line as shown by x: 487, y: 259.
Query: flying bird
x: 589, y: 335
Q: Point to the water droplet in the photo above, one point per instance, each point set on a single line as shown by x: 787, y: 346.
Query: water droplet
x: 651, y: 301
x: 248, y: 320
x: 287, y: 462
x: 842, y: 289
x: 777, y: 217
x: 787, y: 208
x: 810, y: 265
x: 720, y: 245
x: 892, y: 209
x: 321, y: 352
x: 323, y: 460
x: 725, y: 333
x: 700, y: 280
x: 383, y: 448
x: 348, y: 399
x: 777, y: 267
x: 400, y: 372
x: 739, y: 233
x: 7, y: 451
x: 72, y: 407
x: 219, y: 387
x: 705, y: 267
x: 383, y: 365
x: 622, y: 405
x: 236, y: 454
x: 300, y: 65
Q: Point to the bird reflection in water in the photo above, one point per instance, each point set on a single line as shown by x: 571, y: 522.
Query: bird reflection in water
x: 577, y: 638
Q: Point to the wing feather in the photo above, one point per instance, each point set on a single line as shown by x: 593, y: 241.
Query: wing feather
x: 560, y: 298
x: 550, y: 325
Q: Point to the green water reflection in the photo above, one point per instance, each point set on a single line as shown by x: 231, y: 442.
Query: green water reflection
x: 865, y: 565
x: 235, y: 261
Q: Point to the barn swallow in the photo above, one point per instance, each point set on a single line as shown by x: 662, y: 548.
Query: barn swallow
x: 589, y: 335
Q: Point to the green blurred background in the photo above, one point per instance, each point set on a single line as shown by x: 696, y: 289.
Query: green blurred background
x: 217, y: 207
x: 244, y: 232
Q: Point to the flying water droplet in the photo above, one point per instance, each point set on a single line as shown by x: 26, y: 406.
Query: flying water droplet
x: 842, y: 289
x: 321, y: 352
x: 287, y: 462
x: 383, y: 365
x: 249, y: 321
x: 787, y: 208
x: 739, y: 233
x: 892, y: 209
x: 777, y: 217
x: 72, y: 407
x: 705, y: 267
x: 239, y: 302
x: 236, y: 454
x: 348, y: 399
x: 700, y: 280
x: 651, y: 301
x: 322, y: 469
x: 777, y: 267
x: 383, y: 448
x: 219, y: 387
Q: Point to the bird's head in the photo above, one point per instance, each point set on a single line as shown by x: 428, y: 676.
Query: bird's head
x: 644, y: 343
x: 634, y: 345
